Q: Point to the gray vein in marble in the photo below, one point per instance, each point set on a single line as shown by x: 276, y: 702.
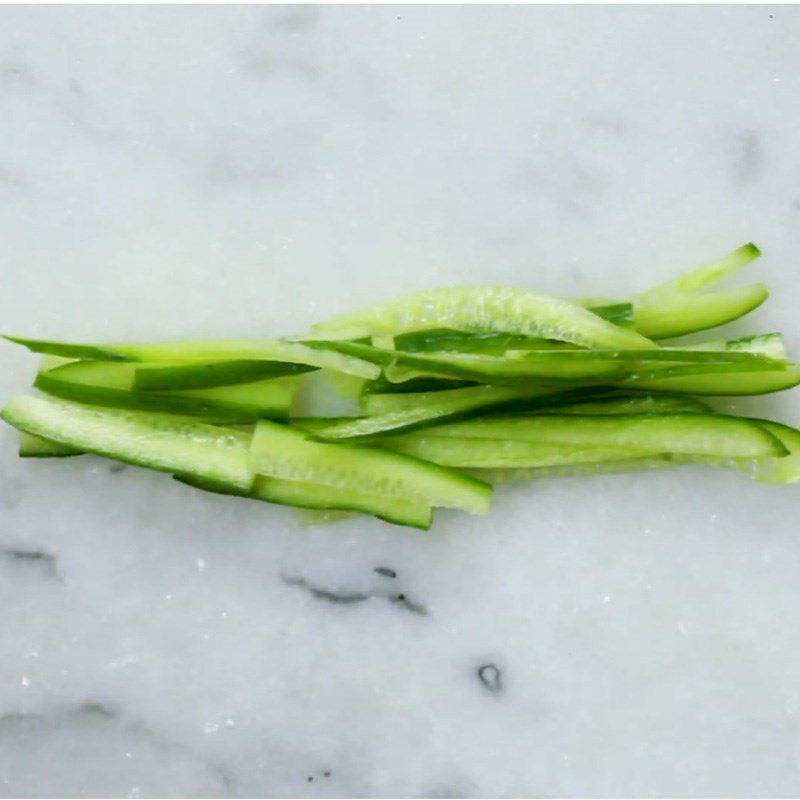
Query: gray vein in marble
x: 45, y: 562
x: 96, y: 713
x: 354, y: 598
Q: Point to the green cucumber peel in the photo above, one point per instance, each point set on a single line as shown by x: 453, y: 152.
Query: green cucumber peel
x: 110, y: 384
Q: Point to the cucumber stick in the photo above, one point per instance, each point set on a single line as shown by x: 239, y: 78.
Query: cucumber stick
x: 302, y: 494
x: 205, y: 351
x: 416, y: 411
x: 690, y: 434
x: 156, y: 441
x: 281, y: 452
x: 678, y: 315
x: 398, y: 510
x: 110, y: 383
x: 483, y: 309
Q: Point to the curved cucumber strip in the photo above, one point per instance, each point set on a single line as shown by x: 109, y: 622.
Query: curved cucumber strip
x: 281, y: 452
x: 443, y: 339
x: 701, y: 278
x: 483, y: 309
x: 205, y: 350
x: 31, y: 446
x: 676, y: 315
x: 156, y: 441
x: 148, y: 377
x: 109, y: 384
x: 681, y: 434
x: 722, y: 384
x: 400, y: 511
x: 414, y: 411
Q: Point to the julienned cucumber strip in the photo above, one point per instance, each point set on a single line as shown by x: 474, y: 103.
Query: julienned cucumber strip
x: 281, y: 452
x: 483, y: 309
x: 149, y: 377
x: 418, y: 412
x: 156, y: 441
x: 722, y: 384
x: 690, y: 434
x: 459, y: 341
x: 204, y: 351
x: 31, y: 446
x: 401, y: 511
x: 701, y: 278
x: 501, y: 453
x: 299, y: 494
x: 110, y: 384
x: 678, y: 315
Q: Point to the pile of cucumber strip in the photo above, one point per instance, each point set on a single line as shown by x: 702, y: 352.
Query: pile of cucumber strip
x: 455, y: 389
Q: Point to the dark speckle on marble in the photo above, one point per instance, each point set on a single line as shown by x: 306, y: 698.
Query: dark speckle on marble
x: 17, y: 75
x: 46, y: 562
x: 605, y: 124
x: 386, y: 572
x: 297, y: 18
x: 491, y: 678
x: 115, y: 469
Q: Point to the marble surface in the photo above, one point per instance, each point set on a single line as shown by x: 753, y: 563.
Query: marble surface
x: 242, y: 171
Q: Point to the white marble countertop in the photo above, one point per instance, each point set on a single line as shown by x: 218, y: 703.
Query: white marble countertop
x: 207, y: 171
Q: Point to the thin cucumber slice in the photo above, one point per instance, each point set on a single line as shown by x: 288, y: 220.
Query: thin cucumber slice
x: 701, y: 278
x: 677, y: 315
x: 420, y: 411
x: 691, y: 434
x: 109, y: 383
x: 281, y: 452
x: 205, y: 350
x: 302, y: 494
x: 156, y: 441
x: 211, y: 374
x: 723, y: 384
x: 31, y: 446
x: 483, y: 309
x: 675, y: 355
x: 397, y: 510
x: 383, y: 386
x: 500, y: 453
x: 516, y: 474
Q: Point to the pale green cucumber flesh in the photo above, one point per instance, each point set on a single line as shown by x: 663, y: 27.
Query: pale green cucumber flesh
x: 691, y: 434
x: 483, y: 309
x: 678, y: 315
x: 155, y: 441
x: 722, y: 384
x: 281, y: 452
